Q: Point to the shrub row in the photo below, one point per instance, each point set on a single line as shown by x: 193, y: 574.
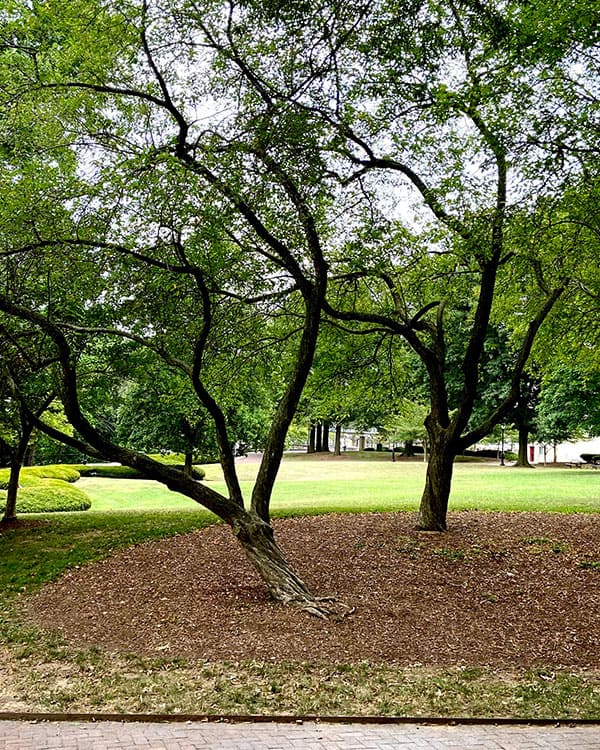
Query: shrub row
x: 110, y: 471
x: 31, y: 475
x: 48, y: 496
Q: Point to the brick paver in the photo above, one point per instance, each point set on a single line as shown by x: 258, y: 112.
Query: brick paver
x: 112, y: 735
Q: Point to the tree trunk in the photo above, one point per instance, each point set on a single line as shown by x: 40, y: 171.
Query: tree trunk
x: 284, y: 586
x: 409, y: 448
x: 188, y: 464
x: 29, y: 455
x: 434, y: 501
x: 312, y: 439
x: 325, y: 437
x: 337, y: 446
x: 16, y: 462
x: 10, y: 511
x: 319, y: 440
x: 523, y: 458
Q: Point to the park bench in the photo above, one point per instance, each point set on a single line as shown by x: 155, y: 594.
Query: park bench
x: 592, y: 461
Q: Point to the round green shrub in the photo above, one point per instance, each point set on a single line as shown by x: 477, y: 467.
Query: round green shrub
x: 49, y: 496
x: 109, y: 471
x: 33, y: 474
x: 53, y: 471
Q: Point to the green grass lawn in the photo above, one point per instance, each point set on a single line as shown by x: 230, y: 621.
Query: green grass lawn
x: 312, y: 485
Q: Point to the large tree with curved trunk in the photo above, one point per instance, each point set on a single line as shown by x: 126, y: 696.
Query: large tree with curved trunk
x: 190, y: 238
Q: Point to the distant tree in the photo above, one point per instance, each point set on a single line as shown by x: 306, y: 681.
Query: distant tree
x: 407, y: 425
x: 569, y: 405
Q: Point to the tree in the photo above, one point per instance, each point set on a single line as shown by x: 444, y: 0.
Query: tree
x: 476, y: 261
x: 355, y: 381
x: 407, y: 424
x: 246, y: 156
x: 569, y: 405
x: 170, y: 239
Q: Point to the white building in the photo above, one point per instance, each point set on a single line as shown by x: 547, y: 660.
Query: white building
x: 562, y: 452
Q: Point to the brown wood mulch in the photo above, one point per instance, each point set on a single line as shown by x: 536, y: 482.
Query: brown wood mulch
x: 501, y: 590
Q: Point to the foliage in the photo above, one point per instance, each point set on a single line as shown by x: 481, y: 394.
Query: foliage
x: 569, y: 404
x: 408, y: 423
x: 431, y: 196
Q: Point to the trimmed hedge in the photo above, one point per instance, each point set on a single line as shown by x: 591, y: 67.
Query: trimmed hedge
x: 108, y: 471
x: 49, y: 496
x: 54, y: 471
x: 33, y: 474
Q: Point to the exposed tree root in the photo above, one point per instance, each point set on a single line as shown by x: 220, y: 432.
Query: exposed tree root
x: 326, y: 608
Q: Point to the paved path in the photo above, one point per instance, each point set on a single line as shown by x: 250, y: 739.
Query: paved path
x: 110, y: 735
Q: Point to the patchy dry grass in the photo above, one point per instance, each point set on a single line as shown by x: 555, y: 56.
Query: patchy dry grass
x: 47, y: 677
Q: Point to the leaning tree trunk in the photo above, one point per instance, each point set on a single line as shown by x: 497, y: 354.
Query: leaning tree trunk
x: 265, y: 555
x: 434, y: 501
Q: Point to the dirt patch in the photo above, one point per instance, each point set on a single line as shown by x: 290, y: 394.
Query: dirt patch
x: 500, y: 590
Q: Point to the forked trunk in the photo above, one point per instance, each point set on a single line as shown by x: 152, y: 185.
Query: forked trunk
x: 257, y: 539
x: 434, y: 501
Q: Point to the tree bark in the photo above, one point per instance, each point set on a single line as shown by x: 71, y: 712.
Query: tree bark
x: 325, y: 436
x: 434, y: 501
x: 188, y: 464
x: 312, y: 439
x: 284, y: 586
x: 16, y: 462
x: 523, y: 458
x: 10, y: 511
x: 319, y: 437
x: 337, y: 446
x: 409, y: 449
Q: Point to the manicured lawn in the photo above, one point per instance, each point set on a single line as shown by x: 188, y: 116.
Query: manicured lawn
x: 312, y: 485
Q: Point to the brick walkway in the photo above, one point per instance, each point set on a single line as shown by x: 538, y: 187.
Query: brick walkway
x: 110, y: 735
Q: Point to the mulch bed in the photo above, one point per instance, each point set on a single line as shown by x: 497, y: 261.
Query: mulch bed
x: 502, y: 590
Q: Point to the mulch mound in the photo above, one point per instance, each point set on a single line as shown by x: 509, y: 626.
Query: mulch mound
x: 501, y: 590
